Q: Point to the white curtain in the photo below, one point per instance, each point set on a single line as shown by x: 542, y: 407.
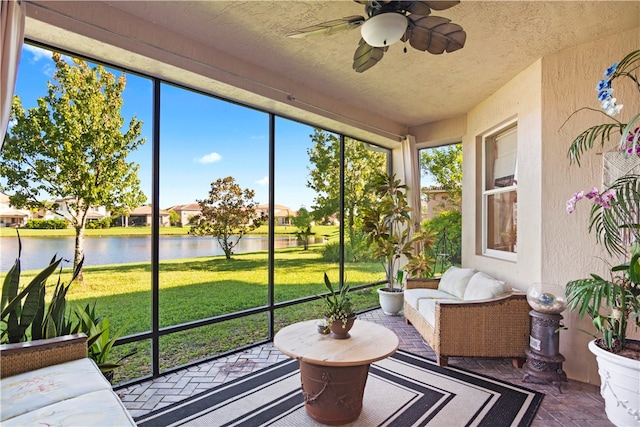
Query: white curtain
x: 412, y: 175
x: 12, y: 29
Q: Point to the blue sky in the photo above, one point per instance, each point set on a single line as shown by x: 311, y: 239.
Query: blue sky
x: 202, y: 139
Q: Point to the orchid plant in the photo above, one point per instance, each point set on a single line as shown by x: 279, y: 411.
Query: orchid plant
x: 612, y: 303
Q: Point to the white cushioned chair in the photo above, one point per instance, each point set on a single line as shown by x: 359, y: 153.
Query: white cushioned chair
x: 466, y: 313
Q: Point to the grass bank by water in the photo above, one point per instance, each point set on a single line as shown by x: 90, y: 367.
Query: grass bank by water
x: 330, y: 231
x: 199, y: 288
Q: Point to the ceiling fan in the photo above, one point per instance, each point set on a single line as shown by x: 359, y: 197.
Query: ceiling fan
x: 392, y: 21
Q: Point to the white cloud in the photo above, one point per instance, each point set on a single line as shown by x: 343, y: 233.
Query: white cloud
x: 209, y: 158
x: 264, y: 181
x: 37, y: 53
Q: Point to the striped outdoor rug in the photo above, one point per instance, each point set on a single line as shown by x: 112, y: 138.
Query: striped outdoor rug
x: 402, y: 390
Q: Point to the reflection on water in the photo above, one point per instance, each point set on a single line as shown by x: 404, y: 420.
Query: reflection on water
x: 37, y: 251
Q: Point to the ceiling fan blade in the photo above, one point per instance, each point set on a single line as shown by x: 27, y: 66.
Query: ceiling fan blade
x: 328, y: 28
x: 366, y: 2
x: 367, y: 56
x: 417, y: 7
x: 436, y: 35
x: 439, y: 5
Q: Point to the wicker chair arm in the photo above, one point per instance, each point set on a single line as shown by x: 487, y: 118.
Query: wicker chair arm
x: 430, y: 283
x: 28, y: 356
x: 483, y: 302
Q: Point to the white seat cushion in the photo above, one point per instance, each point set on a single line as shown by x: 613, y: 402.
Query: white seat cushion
x: 428, y: 310
x: 454, y: 281
x: 414, y: 296
x: 482, y: 286
x: 32, y: 390
x: 99, y: 408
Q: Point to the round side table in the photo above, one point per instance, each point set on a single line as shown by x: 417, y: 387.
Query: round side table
x: 334, y: 372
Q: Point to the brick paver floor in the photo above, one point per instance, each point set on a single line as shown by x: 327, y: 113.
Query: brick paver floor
x: 579, y: 404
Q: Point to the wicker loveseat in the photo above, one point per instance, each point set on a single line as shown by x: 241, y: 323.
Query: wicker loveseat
x: 466, y: 313
x: 52, y: 382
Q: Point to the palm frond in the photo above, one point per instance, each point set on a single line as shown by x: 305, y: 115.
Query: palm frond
x: 616, y: 225
x: 586, y: 140
x: 627, y: 65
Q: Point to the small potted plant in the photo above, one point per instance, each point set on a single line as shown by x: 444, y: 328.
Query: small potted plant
x: 339, y: 313
x: 388, y: 226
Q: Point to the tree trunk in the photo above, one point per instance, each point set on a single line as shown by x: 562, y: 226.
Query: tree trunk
x: 79, y: 251
x: 352, y: 228
x: 226, y: 246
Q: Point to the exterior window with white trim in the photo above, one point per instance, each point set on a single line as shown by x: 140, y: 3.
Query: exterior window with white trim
x: 500, y: 193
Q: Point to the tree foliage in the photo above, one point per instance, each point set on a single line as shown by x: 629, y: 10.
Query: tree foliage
x: 447, y: 226
x: 303, y: 223
x: 174, y: 218
x: 361, y: 165
x: 227, y: 214
x: 72, y: 147
x: 444, y: 164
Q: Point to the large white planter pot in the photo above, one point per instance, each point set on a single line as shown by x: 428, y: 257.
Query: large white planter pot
x: 620, y: 386
x: 391, y: 302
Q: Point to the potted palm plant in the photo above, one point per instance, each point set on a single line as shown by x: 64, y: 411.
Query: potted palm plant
x: 339, y: 313
x: 388, y: 227
x: 613, y: 303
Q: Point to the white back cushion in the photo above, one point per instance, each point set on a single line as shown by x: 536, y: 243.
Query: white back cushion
x: 483, y: 286
x: 455, y: 280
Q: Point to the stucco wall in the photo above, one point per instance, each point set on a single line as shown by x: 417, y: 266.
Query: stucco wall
x: 553, y: 247
x: 568, y: 251
x: 519, y: 99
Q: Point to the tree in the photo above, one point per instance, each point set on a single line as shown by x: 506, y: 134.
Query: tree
x: 229, y: 212
x: 361, y: 165
x: 447, y: 226
x: 174, y: 218
x: 303, y: 222
x: 72, y: 148
x: 445, y: 166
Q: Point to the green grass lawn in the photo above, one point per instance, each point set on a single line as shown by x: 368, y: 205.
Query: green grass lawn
x: 199, y: 288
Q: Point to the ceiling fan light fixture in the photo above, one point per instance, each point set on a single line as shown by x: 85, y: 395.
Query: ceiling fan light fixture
x: 384, y: 29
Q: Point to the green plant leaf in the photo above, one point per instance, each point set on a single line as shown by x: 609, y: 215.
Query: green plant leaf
x: 586, y: 140
x: 11, y: 284
x: 36, y: 282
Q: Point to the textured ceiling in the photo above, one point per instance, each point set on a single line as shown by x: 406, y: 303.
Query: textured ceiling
x: 412, y: 88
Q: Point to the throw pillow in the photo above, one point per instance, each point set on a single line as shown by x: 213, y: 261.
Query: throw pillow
x: 483, y: 286
x: 455, y: 280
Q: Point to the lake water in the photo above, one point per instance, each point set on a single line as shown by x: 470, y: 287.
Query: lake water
x: 38, y: 251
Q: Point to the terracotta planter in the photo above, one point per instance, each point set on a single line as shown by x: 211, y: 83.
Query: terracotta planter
x: 391, y: 302
x: 619, y: 386
x: 333, y: 394
x: 340, y: 330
